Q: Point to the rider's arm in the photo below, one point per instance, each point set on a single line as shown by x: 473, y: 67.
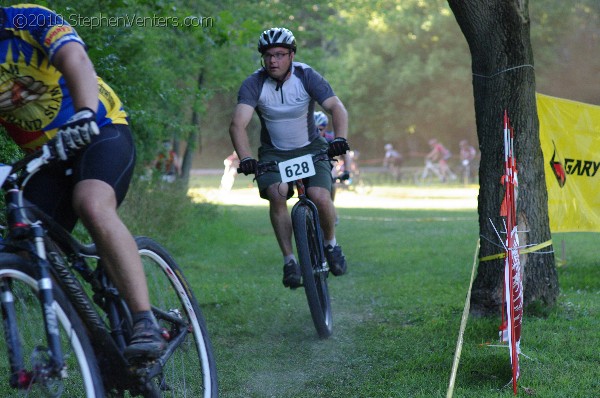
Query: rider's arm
x: 338, y: 112
x: 336, y: 108
x: 75, y: 65
x: 242, y: 115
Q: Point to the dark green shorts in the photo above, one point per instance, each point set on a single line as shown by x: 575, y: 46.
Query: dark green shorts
x: 322, y: 168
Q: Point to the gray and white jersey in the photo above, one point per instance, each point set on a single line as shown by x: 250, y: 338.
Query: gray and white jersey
x: 286, y: 111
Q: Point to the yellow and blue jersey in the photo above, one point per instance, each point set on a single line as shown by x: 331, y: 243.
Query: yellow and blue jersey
x: 34, y: 98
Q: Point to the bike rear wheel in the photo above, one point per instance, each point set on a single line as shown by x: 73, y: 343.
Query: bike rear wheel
x: 314, y: 269
x: 24, y: 338
x: 191, y: 370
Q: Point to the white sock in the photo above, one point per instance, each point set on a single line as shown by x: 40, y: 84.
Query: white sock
x: 286, y: 259
x: 331, y: 243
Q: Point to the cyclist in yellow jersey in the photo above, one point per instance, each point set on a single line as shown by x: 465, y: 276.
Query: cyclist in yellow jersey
x: 50, y: 94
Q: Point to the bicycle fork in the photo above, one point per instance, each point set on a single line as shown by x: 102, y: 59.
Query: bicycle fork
x: 312, y: 208
x: 57, y: 365
x: 11, y: 334
x: 50, y: 360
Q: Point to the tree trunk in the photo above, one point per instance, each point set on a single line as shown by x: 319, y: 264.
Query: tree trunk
x: 188, y: 155
x: 497, y: 32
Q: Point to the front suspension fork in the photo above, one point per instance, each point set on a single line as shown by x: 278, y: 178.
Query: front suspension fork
x: 46, y: 298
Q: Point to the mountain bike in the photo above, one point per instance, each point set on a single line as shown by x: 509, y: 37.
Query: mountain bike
x: 308, y: 236
x: 429, y: 174
x: 65, y: 325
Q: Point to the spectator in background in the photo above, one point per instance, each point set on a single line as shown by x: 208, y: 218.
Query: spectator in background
x: 167, y: 162
x: 231, y: 163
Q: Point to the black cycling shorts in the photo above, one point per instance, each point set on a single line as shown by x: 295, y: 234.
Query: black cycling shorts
x: 323, y: 169
x: 110, y: 157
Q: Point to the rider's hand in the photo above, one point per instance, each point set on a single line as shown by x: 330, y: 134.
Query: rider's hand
x: 337, y: 147
x: 248, y: 165
x: 76, y: 133
x: 345, y: 175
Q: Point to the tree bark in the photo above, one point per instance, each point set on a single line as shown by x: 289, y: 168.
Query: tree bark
x: 188, y: 155
x: 497, y: 32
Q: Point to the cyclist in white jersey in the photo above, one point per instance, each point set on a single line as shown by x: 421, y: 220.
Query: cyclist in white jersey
x: 283, y: 94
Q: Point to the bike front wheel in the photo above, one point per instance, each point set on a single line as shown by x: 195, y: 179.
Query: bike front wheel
x: 314, y: 269
x: 27, y: 369
x: 191, y: 370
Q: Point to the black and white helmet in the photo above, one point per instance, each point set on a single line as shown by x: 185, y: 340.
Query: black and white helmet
x: 276, y: 37
x: 321, y: 119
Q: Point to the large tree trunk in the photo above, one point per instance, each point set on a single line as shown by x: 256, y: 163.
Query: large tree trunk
x: 497, y: 32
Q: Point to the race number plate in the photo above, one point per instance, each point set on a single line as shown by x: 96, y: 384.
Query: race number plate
x: 297, y: 168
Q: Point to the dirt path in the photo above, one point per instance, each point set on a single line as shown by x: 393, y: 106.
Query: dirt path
x: 402, y: 197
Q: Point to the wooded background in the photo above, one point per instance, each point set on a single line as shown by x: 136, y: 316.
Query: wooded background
x: 402, y: 68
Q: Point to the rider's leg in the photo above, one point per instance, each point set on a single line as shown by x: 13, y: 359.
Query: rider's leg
x: 102, y: 174
x: 280, y: 216
x: 443, y: 170
x: 335, y: 257
x: 321, y: 197
x: 95, y: 203
x: 282, y: 226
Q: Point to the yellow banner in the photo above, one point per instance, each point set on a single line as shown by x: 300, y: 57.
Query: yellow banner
x: 570, y: 139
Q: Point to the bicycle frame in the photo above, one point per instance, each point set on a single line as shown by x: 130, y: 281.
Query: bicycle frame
x: 109, y: 340
x: 58, y: 256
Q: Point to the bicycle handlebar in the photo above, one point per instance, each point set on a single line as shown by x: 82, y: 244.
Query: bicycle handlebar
x: 272, y: 165
x: 34, y: 161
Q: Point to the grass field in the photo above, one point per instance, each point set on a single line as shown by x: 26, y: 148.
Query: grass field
x: 396, y: 313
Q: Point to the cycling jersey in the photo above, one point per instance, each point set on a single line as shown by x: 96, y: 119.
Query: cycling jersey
x: 34, y: 98
x: 442, y: 153
x: 286, y: 110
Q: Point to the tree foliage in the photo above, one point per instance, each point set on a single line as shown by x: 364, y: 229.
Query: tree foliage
x: 401, y: 68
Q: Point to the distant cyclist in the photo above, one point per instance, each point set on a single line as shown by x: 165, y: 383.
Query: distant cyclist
x: 392, y: 160
x: 440, y: 154
x: 321, y: 121
x: 343, y: 167
x: 283, y: 94
x: 339, y: 170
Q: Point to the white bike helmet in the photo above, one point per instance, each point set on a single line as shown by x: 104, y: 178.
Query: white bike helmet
x: 276, y: 37
x: 321, y: 119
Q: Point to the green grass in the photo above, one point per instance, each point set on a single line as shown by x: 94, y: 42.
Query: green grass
x: 396, y: 313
